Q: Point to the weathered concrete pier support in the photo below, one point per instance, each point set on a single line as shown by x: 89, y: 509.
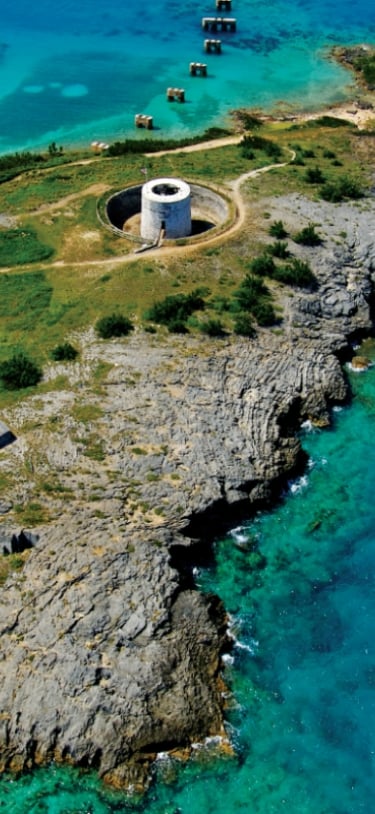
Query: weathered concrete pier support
x: 175, y: 94
x: 198, y: 69
x: 212, y: 46
x: 219, y: 23
x: 224, y: 5
x: 142, y: 120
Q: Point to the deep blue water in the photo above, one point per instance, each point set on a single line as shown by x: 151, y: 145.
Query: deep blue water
x: 302, y: 716
x: 76, y: 72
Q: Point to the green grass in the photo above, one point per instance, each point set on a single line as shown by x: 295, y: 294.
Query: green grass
x: 40, y: 309
x: 21, y: 246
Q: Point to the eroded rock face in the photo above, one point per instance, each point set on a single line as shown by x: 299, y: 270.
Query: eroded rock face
x: 107, y: 654
x: 104, y: 658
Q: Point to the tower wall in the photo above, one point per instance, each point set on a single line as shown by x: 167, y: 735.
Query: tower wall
x: 166, y: 205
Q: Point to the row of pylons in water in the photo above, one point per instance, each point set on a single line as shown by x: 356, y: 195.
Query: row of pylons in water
x: 211, y: 46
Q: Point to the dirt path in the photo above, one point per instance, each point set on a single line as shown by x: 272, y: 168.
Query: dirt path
x: 202, y: 145
x: 94, y: 189
x: 234, y: 187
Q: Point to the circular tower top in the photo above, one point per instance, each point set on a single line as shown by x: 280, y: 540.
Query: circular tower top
x: 166, y: 190
x: 166, y: 209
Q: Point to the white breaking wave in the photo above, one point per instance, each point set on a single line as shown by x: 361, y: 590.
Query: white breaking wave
x: 298, y: 485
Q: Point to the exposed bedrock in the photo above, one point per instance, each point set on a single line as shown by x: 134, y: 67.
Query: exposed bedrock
x: 107, y: 654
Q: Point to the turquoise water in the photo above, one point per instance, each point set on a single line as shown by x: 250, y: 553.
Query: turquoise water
x: 302, y: 717
x: 76, y: 72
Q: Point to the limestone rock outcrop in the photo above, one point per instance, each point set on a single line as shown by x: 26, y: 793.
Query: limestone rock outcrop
x: 108, y: 654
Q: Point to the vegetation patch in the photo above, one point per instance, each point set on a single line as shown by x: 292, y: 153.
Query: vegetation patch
x: 115, y: 325
x: 254, y: 297
x: 19, y: 372
x: 251, y: 143
x: 65, y: 352
x: 31, y: 514
x: 296, y: 273
x: 341, y: 189
x: 278, y: 230
x: 23, y: 298
x: 20, y: 246
x: 175, y: 309
x: 308, y: 236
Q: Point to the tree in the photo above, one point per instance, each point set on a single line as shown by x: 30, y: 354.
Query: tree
x: 18, y: 372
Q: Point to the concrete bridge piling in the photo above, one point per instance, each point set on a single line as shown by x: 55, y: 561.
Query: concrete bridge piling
x: 198, y: 69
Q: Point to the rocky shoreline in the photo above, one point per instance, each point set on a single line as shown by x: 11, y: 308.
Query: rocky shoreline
x: 109, y: 655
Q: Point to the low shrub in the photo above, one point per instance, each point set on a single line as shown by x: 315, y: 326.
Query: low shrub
x: 113, y: 325
x: 264, y: 313
x: 342, y: 188
x: 314, y: 175
x: 176, y: 308
x: 253, y: 142
x: 212, y: 327
x: 250, y: 292
x: 64, y: 352
x: 279, y: 249
x: 296, y: 273
x: 308, y: 236
x: 262, y: 265
x: 18, y: 372
x: 243, y: 325
x: 277, y: 229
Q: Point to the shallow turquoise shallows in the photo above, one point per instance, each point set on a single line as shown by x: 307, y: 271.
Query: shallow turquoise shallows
x: 302, y: 718
x: 77, y: 72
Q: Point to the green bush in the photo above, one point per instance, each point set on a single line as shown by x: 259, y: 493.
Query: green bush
x: 243, y: 325
x: 296, y: 273
x: 176, y: 308
x: 250, y: 292
x: 15, y: 163
x: 263, y: 265
x: 64, y: 352
x: 253, y: 142
x: 212, y: 327
x: 177, y: 326
x: 342, y: 188
x: 113, y: 325
x: 308, y: 236
x: 264, y: 313
x: 328, y: 121
x: 314, y: 175
x: 366, y: 64
x: 277, y: 229
x: 18, y: 372
x: 279, y: 249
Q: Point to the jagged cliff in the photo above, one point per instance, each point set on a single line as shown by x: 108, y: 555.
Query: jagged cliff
x: 108, y: 654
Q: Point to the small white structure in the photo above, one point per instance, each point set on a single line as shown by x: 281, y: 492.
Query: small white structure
x: 165, y: 208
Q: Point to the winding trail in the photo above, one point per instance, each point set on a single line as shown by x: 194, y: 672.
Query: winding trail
x: 233, y: 187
